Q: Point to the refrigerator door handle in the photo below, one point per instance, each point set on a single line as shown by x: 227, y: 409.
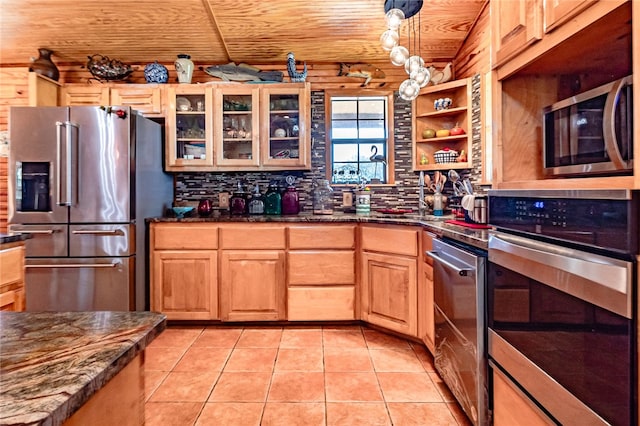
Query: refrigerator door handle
x: 72, y: 265
x: 97, y: 232
x: 65, y: 195
x: 38, y: 231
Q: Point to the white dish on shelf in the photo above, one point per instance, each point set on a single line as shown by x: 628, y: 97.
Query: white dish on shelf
x: 183, y: 104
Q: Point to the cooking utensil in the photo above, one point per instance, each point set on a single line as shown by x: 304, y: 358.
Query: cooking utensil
x: 458, y: 188
x: 467, y: 186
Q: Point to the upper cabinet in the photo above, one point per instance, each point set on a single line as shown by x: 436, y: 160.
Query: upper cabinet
x: 238, y: 127
x: 427, y: 118
x: 515, y: 24
x: 145, y: 98
x: 189, y: 135
x: 572, y: 46
x: 285, y: 132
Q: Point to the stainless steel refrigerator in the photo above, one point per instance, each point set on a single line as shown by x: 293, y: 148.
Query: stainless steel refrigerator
x: 81, y: 182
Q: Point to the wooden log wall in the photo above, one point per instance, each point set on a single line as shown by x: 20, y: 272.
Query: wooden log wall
x: 474, y: 57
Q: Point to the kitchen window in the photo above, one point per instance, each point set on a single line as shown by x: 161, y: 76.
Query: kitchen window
x: 359, y: 138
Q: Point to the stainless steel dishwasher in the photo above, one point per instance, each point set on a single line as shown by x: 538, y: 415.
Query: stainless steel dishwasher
x: 460, y: 350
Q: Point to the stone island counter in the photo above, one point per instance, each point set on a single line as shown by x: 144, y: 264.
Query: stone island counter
x: 74, y: 367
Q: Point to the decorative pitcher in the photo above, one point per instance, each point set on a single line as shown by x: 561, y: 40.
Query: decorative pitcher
x: 43, y: 65
x: 184, y: 68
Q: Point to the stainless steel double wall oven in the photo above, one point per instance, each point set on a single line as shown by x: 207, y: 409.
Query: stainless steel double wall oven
x: 561, y: 301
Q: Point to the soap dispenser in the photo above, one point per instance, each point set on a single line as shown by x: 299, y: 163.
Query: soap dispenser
x: 238, y: 202
x: 290, y: 200
x: 273, y: 199
x: 256, y: 204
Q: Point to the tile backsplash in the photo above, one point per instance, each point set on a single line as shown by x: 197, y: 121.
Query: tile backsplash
x: 192, y: 187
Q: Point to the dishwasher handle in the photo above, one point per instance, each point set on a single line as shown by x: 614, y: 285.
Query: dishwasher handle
x: 463, y: 272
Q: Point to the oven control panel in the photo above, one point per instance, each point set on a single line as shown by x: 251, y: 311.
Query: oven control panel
x: 602, y: 223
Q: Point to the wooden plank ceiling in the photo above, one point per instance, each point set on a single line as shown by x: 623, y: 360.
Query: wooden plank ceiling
x: 221, y: 31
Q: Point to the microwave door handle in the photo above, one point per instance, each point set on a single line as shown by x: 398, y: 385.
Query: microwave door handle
x: 609, y: 125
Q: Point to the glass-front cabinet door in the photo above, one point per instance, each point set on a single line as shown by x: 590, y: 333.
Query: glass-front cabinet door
x: 284, y: 134
x: 237, y: 126
x: 189, y: 128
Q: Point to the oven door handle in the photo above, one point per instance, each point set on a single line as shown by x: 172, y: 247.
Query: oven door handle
x: 601, y: 280
x: 460, y: 271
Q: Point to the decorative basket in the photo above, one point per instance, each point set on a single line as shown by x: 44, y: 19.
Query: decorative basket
x: 103, y: 68
x: 448, y: 156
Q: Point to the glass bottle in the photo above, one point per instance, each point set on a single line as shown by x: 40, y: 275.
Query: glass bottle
x: 322, y: 198
x: 204, y: 207
x: 256, y: 205
x: 437, y: 204
x: 290, y: 200
x: 238, y: 202
x: 273, y: 199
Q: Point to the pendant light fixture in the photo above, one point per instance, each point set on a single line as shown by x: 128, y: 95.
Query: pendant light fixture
x: 398, y: 11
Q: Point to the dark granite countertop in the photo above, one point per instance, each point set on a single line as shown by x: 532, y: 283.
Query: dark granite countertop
x: 12, y: 238
x: 435, y: 224
x: 51, y: 363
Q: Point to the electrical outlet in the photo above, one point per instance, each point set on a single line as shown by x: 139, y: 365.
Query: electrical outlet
x: 223, y: 200
x: 347, y: 199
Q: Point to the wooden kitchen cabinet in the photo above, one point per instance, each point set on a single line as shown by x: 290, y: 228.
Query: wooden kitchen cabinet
x: 12, y: 295
x: 511, y: 407
x: 321, y: 269
x: 189, y: 128
x: 389, y: 277
x: 426, y: 320
x: 84, y: 95
x: 515, y: 24
x: 559, y: 66
x: 427, y: 117
x: 184, y: 270
x: 242, y: 127
x: 252, y: 285
x: 285, y: 134
x: 252, y: 272
x: 237, y: 126
x: 557, y: 12
x: 144, y: 98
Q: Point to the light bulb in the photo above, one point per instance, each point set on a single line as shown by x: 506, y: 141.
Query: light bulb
x: 413, y: 63
x: 399, y: 55
x: 394, y: 18
x: 421, y: 76
x: 409, y: 90
x: 389, y: 39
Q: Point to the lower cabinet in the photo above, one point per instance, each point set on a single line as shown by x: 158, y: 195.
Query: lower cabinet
x: 511, y: 407
x: 426, y: 321
x: 185, y: 284
x: 321, y: 270
x: 389, y: 276
x: 12, y: 296
x: 252, y: 285
x: 184, y: 270
x: 389, y: 292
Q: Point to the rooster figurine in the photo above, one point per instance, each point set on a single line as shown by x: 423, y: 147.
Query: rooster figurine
x: 295, y: 76
x: 439, y: 77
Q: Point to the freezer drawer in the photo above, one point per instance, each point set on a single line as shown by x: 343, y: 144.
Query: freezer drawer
x: 86, y: 284
x: 45, y: 241
x: 101, y: 240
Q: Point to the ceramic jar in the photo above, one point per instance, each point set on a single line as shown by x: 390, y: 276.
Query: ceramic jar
x: 156, y: 73
x: 184, y: 68
x: 43, y: 65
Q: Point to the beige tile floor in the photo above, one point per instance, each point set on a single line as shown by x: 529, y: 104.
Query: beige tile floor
x: 307, y: 376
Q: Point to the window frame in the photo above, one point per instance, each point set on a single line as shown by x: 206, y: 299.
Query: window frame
x: 390, y: 166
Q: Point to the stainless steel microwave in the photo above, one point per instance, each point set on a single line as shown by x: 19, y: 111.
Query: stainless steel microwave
x: 590, y: 133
